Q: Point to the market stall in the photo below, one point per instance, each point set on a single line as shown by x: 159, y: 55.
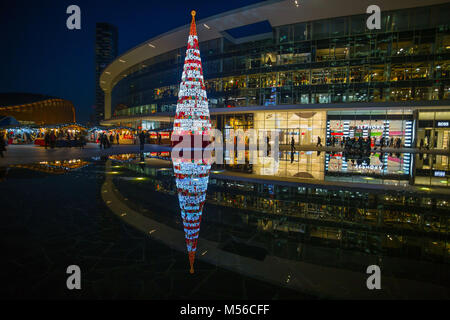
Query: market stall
x: 20, y: 135
x: 161, y: 136
x: 126, y: 135
x: 65, y: 135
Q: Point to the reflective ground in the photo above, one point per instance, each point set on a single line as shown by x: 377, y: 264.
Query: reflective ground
x: 305, y: 227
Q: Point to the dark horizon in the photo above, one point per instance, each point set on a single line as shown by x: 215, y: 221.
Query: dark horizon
x: 44, y: 57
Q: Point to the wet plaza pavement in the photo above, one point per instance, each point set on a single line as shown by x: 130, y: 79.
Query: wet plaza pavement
x: 288, y: 236
x: 53, y: 221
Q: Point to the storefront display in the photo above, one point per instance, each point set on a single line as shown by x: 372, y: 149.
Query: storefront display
x: 391, y: 129
x: 373, y: 164
x: 66, y: 135
x: 126, y: 135
x: 433, y: 130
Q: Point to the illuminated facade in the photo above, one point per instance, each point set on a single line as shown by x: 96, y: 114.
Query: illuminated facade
x: 301, y: 61
x: 36, y: 109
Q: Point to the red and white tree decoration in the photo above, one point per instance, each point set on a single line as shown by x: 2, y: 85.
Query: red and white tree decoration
x: 191, y: 119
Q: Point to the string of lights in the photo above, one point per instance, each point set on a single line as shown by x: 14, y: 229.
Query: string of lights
x: 192, y: 118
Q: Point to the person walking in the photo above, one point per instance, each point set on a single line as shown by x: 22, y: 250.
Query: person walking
x: 69, y: 141
x: 52, y: 139
x: 117, y: 138
x: 159, y: 139
x: 292, y: 144
x: 319, y: 142
x: 142, y: 140
x: 100, y: 140
x: 2, y: 145
x: 107, y: 142
x: 46, y: 139
x: 111, y: 139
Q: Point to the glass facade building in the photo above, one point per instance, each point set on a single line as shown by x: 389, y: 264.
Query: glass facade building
x: 326, y: 61
x: 333, y: 77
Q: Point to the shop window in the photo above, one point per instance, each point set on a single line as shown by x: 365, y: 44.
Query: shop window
x: 320, y: 76
x: 358, y: 96
x: 420, y: 71
x: 402, y: 48
x: 339, y: 75
x: 321, y: 98
x: 442, y: 70
x: 442, y: 43
x: 401, y: 94
x: 294, y: 58
x: 341, y: 53
x: 447, y: 93
x: 300, y: 78
x: 254, y: 81
x: 376, y: 95
x: 269, y: 59
x: 358, y: 74
x: 323, y: 55
x: 422, y: 94
x: 285, y: 79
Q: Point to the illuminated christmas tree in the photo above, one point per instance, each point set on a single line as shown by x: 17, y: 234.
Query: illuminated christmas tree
x: 191, y: 119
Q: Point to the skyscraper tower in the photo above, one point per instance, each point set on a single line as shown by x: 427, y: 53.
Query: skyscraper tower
x: 106, y: 43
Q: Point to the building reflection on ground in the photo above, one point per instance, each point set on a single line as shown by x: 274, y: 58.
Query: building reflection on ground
x: 343, y: 225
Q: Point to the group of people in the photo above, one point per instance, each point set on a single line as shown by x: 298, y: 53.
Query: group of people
x: 19, y: 137
x: 106, y: 141
x: 347, y: 142
x: 50, y: 138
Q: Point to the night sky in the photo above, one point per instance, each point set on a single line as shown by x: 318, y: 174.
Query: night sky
x: 40, y: 55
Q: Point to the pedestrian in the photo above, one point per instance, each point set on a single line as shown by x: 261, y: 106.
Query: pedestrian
x: 107, y: 143
x: 292, y: 144
x: 111, y: 139
x: 159, y: 139
x: 82, y: 141
x: 117, y: 138
x: 100, y: 140
x: 381, y: 143
x: 142, y: 140
x: 69, y: 142
x: 52, y: 139
x: 319, y: 142
x: 46, y: 139
x: 2, y: 145
x: 421, y: 144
